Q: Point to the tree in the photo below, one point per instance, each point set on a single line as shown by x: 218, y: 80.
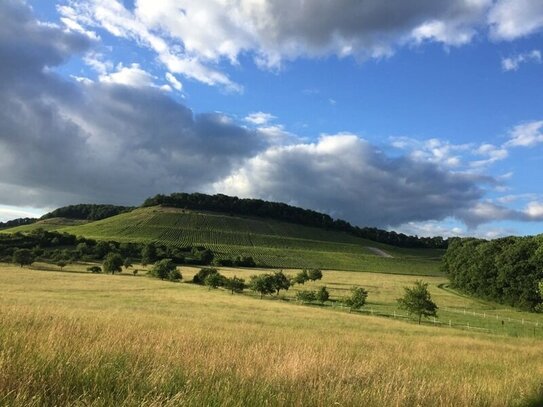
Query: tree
x: 306, y: 296
x: 214, y: 280
x: 262, y: 284
x: 148, y: 254
x: 234, y: 284
x: 314, y: 274
x: 113, y: 263
x: 280, y: 281
x: 417, y: 301
x: 23, y: 257
x: 165, y: 269
x: 62, y: 264
x: 301, y: 277
x: 322, y: 295
x: 200, y: 277
x: 357, y: 299
x: 127, y: 263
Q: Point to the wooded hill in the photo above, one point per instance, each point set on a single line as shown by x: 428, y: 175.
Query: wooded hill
x: 287, y: 213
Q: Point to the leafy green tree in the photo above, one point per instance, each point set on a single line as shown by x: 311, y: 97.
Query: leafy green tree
x: 322, y: 295
x: 165, y: 269
x: 127, y: 263
x: 214, y: 280
x: 148, y: 254
x: 306, y: 296
x: 262, y: 284
x: 417, y: 301
x: 175, y: 275
x: 234, y: 284
x: 314, y: 274
x: 113, y: 263
x: 301, y: 277
x: 23, y: 257
x: 203, y: 273
x: 357, y: 299
x: 94, y: 269
x: 280, y: 282
x: 61, y: 264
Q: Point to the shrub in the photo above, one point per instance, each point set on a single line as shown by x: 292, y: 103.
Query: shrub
x: 200, y: 277
x: 306, y: 296
x: 322, y: 295
x: 357, y: 298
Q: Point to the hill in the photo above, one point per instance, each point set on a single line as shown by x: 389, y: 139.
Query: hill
x: 270, y: 242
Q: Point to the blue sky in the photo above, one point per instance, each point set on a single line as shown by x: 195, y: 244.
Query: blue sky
x: 424, y: 117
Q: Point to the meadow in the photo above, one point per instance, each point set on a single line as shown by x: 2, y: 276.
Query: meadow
x: 81, y: 339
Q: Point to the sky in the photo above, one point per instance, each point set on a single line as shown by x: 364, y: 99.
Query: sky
x: 420, y: 116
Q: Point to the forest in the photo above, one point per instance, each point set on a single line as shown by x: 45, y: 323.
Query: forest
x: 506, y: 270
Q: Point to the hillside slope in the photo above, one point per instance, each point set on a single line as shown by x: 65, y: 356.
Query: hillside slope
x: 271, y: 243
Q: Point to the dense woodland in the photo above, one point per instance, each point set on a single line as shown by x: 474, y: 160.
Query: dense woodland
x: 63, y: 248
x: 87, y: 211
x: 17, y: 222
x: 287, y: 213
x: 505, y: 270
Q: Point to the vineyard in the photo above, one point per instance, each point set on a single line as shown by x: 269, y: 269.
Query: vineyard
x: 271, y: 243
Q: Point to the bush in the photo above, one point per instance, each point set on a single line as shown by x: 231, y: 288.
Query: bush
x: 357, y: 299
x: 322, y: 295
x: 214, y: 280
x: 200, y: 277
x: 301, y: 277
x: 94, y: 269
x: 306, y: 296
x: 166, y: 269
x: 314, y: 274
x: 234, y: 284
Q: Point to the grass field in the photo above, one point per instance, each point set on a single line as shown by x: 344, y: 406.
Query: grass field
x: 81, y: 339
x: 269, y: 242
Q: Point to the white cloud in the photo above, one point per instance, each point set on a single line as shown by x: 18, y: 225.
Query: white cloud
x: 512, y: 19
x: 259, y: 118
x: 526, y: 135
x: 192, y: 38
x: 534, y: 210
x: 513, y: 63
x: 131, y: 75
x: 174, y: 81
x: 112, y: 16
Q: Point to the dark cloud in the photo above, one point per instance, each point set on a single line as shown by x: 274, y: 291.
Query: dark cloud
x: 63, y: 141
x: 349, y: 178
x: 363, y: 25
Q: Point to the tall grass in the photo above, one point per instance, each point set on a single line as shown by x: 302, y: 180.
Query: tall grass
x: 75, y: 339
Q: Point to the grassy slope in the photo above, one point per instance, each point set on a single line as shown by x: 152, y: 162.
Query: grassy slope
x: 86, y: 339
x: 271, y: 243
x: 46, y: 224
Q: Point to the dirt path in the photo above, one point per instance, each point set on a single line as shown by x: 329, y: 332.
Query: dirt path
x: 379, y: 252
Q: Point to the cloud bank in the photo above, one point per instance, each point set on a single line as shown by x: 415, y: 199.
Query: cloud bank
x: 193, y: 38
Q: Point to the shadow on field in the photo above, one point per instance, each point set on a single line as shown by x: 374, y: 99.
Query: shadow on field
x: 534, y: 401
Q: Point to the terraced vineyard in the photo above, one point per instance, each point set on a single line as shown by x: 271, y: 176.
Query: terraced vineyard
x: 271, y: 243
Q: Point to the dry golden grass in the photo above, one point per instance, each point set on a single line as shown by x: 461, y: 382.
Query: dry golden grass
x: 97, y: 340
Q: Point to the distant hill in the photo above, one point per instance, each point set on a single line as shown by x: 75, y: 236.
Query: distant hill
x: 17, y: 222
x: 273, y: 234
x: 87, y: 211
x: 270, y: 242
x: 287, y: 213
